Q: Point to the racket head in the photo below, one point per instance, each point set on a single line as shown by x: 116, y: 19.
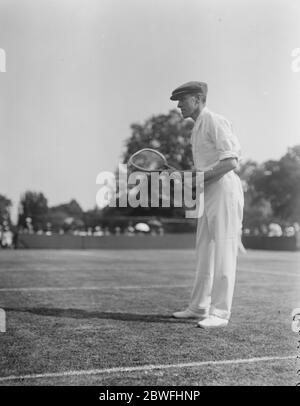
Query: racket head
x: 148, y: 160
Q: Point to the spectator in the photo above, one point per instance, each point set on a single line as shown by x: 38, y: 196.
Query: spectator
x: 264, y: 230
x: 130, y: 230
x: 98, y: 231
x: 274, y: 230
x: 106, y: 231
x: 289, y: 231
x: 117, y: 230
x: 161, y: 230
x: 297, y: 234
x: 7, y: 238
x: 28, y: 227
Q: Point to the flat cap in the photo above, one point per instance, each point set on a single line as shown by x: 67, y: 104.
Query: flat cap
x: 189, y: 88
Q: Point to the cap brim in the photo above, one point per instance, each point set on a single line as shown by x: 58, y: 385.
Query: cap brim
x: 177, y: 96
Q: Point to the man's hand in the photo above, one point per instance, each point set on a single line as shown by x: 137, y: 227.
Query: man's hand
x: 212, y: 175
x: 217, y: 172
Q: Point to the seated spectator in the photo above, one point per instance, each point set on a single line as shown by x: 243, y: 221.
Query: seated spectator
x: 297, y: 234
x: 274, y: 230
x: 130, y: 230
x: 29, y: 227
x: 106, y: 231
x: 98, y: 231
x: 117, y: 230
x: 7, y: 238
x: 161, y: 230
x: 264, y: 230
x: 289, y: 231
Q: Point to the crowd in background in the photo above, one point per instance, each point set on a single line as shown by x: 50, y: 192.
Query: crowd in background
x: 8, y: 236
x: 274, y: 230
x: 154, y: 227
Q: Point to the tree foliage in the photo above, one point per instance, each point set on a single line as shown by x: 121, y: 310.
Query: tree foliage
x: 66, y: 216
x: 279, y: 183
x: 5, y: 205
x: 168, y: 133
x: 35, y: 206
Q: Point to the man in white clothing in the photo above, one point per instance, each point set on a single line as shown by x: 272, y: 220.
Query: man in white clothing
x: 216, y: 152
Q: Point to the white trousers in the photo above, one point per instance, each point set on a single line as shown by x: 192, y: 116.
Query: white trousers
x: 218, y: 235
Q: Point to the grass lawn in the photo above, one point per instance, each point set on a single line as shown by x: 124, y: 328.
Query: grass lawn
x: 103, y: 318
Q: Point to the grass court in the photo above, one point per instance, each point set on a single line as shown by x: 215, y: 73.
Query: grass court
x: 103, y: 317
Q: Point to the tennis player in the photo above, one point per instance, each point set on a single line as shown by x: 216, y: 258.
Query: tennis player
x: 216, y: 151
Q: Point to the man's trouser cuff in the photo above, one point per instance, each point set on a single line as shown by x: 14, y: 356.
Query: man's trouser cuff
x: 201, y: 312
x: 222, y: 314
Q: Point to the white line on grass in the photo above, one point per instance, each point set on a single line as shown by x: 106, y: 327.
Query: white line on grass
x: 72, y: 288
x: 144, y: 368
x: 96, y: 288
x: 267, y: 272
x: 242, y: 269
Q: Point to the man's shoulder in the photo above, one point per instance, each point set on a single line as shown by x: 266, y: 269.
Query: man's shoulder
x: 212, y: 117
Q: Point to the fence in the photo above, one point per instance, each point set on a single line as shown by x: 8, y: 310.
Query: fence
x: 167, y: 241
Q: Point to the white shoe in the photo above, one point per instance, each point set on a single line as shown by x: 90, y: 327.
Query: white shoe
x: 188, y: 314
x: 213, y: 322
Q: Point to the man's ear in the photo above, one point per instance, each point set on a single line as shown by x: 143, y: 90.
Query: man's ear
x: 198, y: 97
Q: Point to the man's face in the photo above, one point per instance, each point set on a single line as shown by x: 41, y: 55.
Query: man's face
x: 188, y: 104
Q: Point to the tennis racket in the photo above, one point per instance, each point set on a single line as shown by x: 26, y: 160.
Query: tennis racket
x: 149, y: 160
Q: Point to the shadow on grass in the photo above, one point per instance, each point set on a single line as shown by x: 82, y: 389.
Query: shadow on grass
x: 84, y: 314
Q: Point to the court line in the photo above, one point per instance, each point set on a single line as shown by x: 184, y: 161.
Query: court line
x: 240, y: 269
x: 101, y: 288
x: 144, y: 368
x: 267, y: 272
x: 72, y: 288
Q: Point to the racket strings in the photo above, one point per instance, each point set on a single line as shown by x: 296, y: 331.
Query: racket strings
x: 148, y: 160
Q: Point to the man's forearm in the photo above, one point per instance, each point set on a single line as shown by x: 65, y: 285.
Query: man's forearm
x: 213, y: 174
x: 217, y: 172
x: 220, y: 170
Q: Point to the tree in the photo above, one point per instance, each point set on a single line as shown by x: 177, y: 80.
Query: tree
x: 92, y: 218
x: 65, y: 216
x: 72, y: 209
x: 35, y: 206
x: 5, y: 205
x: 168, y: 133
x: 279, y: 182
x: 257, y: 208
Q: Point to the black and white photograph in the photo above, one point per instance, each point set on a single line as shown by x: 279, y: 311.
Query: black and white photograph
x: 149, y: 196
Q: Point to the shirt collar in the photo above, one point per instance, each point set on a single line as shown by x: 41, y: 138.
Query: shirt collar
x: 199, y: 118
x: 203, y: 111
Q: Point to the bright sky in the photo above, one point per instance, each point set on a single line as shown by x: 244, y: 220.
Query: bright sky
x: 79, y: 72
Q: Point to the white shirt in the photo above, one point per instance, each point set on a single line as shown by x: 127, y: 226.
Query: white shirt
x: 212, y: 140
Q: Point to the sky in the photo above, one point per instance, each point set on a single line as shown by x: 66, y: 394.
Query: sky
x: 78, y: 73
